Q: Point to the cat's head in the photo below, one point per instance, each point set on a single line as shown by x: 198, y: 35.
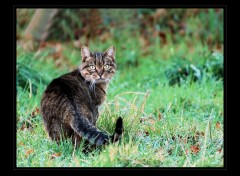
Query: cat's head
x: 98, y: 67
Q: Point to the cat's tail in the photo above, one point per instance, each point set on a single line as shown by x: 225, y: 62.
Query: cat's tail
x: 118, y: 130
x: 96, y: 137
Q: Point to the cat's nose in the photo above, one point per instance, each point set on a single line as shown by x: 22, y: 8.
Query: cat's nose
x: 100, y: 72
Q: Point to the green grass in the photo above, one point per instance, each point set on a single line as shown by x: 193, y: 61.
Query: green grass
x: 179, y: 125
x: 164, y: 125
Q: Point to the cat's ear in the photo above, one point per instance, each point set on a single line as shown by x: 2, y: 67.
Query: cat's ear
x: 110, y: 52
x: 85, y: 52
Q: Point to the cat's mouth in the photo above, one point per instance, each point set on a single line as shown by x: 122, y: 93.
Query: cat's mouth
x: 100, y: 80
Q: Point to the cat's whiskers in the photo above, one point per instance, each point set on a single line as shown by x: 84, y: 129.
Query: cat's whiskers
x: 108, y: 81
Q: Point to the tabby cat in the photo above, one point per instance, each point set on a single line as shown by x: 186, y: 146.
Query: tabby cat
x: 69, y: 105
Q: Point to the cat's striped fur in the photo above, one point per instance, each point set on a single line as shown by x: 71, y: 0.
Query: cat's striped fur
x: 69, y: 105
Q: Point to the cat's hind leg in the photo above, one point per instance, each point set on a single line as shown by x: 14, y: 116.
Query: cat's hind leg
x: 54, y: 131
x: 76, y: 139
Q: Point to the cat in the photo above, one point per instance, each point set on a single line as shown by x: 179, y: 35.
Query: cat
x: 69, y: 105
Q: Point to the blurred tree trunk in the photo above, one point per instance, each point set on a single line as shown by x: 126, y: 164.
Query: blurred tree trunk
x: 37, y: 29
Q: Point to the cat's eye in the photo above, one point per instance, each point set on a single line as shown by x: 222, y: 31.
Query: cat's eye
x: 92, y: 67
x: 106, y: 66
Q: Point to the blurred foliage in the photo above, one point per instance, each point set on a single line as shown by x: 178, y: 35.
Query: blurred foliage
x: 214, y: 65
x: 179, y: 73
x: 181, y: 70
x: 148, y: 34
x: 27, y: 77
x: 69, y: 24
x: 23, y: 18
x: 30, y: 75
x: 203, y: 24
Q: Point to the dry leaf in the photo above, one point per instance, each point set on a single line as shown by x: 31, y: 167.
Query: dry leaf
x: 35, y: 112
x: 55, y: 155
x: 21, y: 144
x: 218, y: 125
x: 195, y: 149
x: 23, y: 127
x: 26, y: 126
x: 29, y: 152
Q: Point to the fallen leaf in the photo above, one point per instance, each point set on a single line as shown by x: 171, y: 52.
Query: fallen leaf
x: 23, y: 127
x: 195, y: 149
x: 219, y: 150
x: 26, y: 126
x: 35, y: 112
x: 218, y: 125
x: 21, y: 144
x: 55, y: 155
x: 28, y: 152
